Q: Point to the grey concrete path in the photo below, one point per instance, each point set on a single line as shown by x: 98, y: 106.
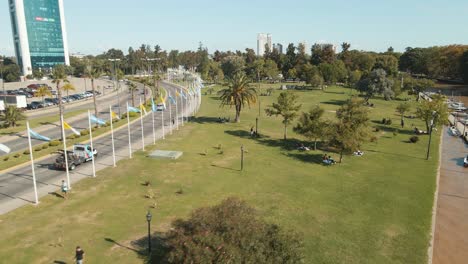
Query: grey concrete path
x: 451, y: 223
x: 16, y: 186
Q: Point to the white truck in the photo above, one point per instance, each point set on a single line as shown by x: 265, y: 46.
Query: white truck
x: 16, y: 100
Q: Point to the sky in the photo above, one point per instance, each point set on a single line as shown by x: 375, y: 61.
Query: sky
x: 96, y: 26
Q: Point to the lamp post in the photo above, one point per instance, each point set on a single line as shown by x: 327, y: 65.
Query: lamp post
x: 3, y: 82
x: 148, y: 219
x: 434, y: 115
x: 116, y: 83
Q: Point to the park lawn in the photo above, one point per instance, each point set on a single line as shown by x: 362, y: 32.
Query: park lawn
x: 370, y: 209
x: 35, y: 122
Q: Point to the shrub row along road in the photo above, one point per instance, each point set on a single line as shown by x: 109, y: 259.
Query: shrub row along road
x: 16, y: 187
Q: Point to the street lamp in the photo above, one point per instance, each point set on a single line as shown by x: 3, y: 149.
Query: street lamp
x: 148, y: 218
x: 116, y: 83
x: 434, y: 115
x: 3, y: 81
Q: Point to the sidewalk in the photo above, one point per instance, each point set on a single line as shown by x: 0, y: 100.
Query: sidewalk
x: 451, y: 224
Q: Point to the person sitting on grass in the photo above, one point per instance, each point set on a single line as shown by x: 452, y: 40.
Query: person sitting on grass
x: 358, y: 153
x: 331, y: 160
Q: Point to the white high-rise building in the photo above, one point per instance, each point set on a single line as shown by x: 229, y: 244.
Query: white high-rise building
x: 262, y: 40
x: 39, y: 34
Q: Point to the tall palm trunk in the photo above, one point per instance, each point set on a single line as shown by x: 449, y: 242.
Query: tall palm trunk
x: 133, y: 98
x: 238, y: 110
x: 144, y: 94
x: 94, y: 97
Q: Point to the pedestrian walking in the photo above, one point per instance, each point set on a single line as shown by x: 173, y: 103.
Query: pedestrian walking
x: 79, y: 255
x: 64, y: 189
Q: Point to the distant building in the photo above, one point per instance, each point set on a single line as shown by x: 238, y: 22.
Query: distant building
x: 306, y: 47
x: 39, y: 34
x: 78, y: 55
x: 262, y: 40
x: 278, y: 47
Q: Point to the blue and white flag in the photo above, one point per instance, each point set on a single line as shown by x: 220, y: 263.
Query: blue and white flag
x: 96, y: 120
x: 133, y: 109
x: 183, y: 94
x: 5, y: 148
x: 172, y: 99
x: 153, y: 105
x: 37, y: 136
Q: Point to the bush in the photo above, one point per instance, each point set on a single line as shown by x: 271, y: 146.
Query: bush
x: 414, y: 139
x: 6, y: 158
x: 94, y: 129
x: 384, y: 121
x: 389, y: 121
x: 26, y: 152
x: 38, y: 148
x: 132, y: 114
x: 17, y: 155
x: 231, y: 233
x: 54, y: 143
x: 45, y: 146
x: 72, y: 136
x: 84, y: 132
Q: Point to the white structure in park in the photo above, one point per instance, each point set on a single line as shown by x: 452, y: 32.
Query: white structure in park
x: 39, y: 34
x: 262, y: 40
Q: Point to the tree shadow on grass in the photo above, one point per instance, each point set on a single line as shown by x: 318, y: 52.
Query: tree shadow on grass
x: 159, y: 248
x: 59, y: 262
x: 307, y: 157
x: 331, y: 92
x: 388, y: 129
x: 335, y: 102
x: 205, y: 119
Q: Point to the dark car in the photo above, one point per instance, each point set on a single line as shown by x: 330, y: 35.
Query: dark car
x: 72, y: 159
x: 35, y: 105
x: 52, y: 101
x: 28, y: 95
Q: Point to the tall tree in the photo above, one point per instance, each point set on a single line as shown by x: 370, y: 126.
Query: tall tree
x: 402, y: 109
x: 42, y: 92
x: 58, y: 77
x: 238, y: 93
x: 68, y: 87
x: 464, y: 66
x: 132, y: 87
x: 351, y: 129
x: 287, y: 107
x: 11, y: 116
x: 434, y: 111
x: 311, y: 124
x: 376, y: 83
x: 94, y: 75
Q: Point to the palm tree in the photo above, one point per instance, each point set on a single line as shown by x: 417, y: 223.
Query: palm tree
x: 59, y: 76
x: 68, y: 87
x: 11, y: 116
x: 287, y: 107
x: 132, y: 88
x: 42, y: 92
x: 157, y: 79
x: 238, y: 93
x: 94, y: 74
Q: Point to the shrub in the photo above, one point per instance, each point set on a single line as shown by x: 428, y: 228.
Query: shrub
x: 38, y: 148
x: 388, y: 121
x: 414, y: 139
x: 123, y: 116
x: 132, y: 114
x: 384, y: 121
x: 234, y: 233
x: 84, y: 132
x: 26, y: 152
x: 17, y: 155
x: 6, y: 158
x: 376, y: 129
x: 72, y: 136
x: 94, y: 129
x: 45, y: 146
x: 54, y: 143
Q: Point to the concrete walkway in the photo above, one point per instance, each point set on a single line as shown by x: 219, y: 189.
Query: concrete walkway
x: 451, y: 225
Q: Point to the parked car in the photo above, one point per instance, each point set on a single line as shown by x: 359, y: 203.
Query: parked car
x: 52, y: 101
x: 35, y: 105
x: 453, y: 131
x: 28, y: 95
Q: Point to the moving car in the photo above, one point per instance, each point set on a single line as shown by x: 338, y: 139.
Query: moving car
x: 73, y: 161
x: 465, y: 162
x: 160, y: 107
x: 84, y: 150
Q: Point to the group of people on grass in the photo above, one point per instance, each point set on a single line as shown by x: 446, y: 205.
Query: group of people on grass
x: 224, y: 120
x: 328, y: 160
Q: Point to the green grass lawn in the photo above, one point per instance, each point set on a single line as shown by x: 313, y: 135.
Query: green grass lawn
x: 370, y: 209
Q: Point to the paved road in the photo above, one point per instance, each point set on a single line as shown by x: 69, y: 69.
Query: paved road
x: 451, y: 224
x: 16, y: 186
x: 19, y: 142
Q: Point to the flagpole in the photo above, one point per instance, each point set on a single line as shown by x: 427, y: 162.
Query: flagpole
x: 177, y: 114
x: 141, y: 122
x: 162, y: 120
x: 36, y: 200
x: 182, y: 101
x: 152, y: 117
x: 112, y: 134
x: 65, y: 152
x: 170, y: 116
x: 129, y: 137
x: 91, y: 143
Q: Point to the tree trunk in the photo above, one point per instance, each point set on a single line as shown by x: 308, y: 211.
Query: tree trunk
x: 341, y: 155
x: 238, y: 110
x: 285, y: 131
x: 144, y: 94
x: 94, y: 98
x: 59, y: 95
x: 315, y: 144
x: 133, y: 98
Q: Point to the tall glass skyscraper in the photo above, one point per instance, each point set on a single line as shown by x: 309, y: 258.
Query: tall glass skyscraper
x: 39, y: 34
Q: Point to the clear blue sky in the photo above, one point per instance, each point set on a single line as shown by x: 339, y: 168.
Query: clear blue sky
x: 97, y: 25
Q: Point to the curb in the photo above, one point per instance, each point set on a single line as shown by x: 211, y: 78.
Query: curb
x: 430, y: 250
